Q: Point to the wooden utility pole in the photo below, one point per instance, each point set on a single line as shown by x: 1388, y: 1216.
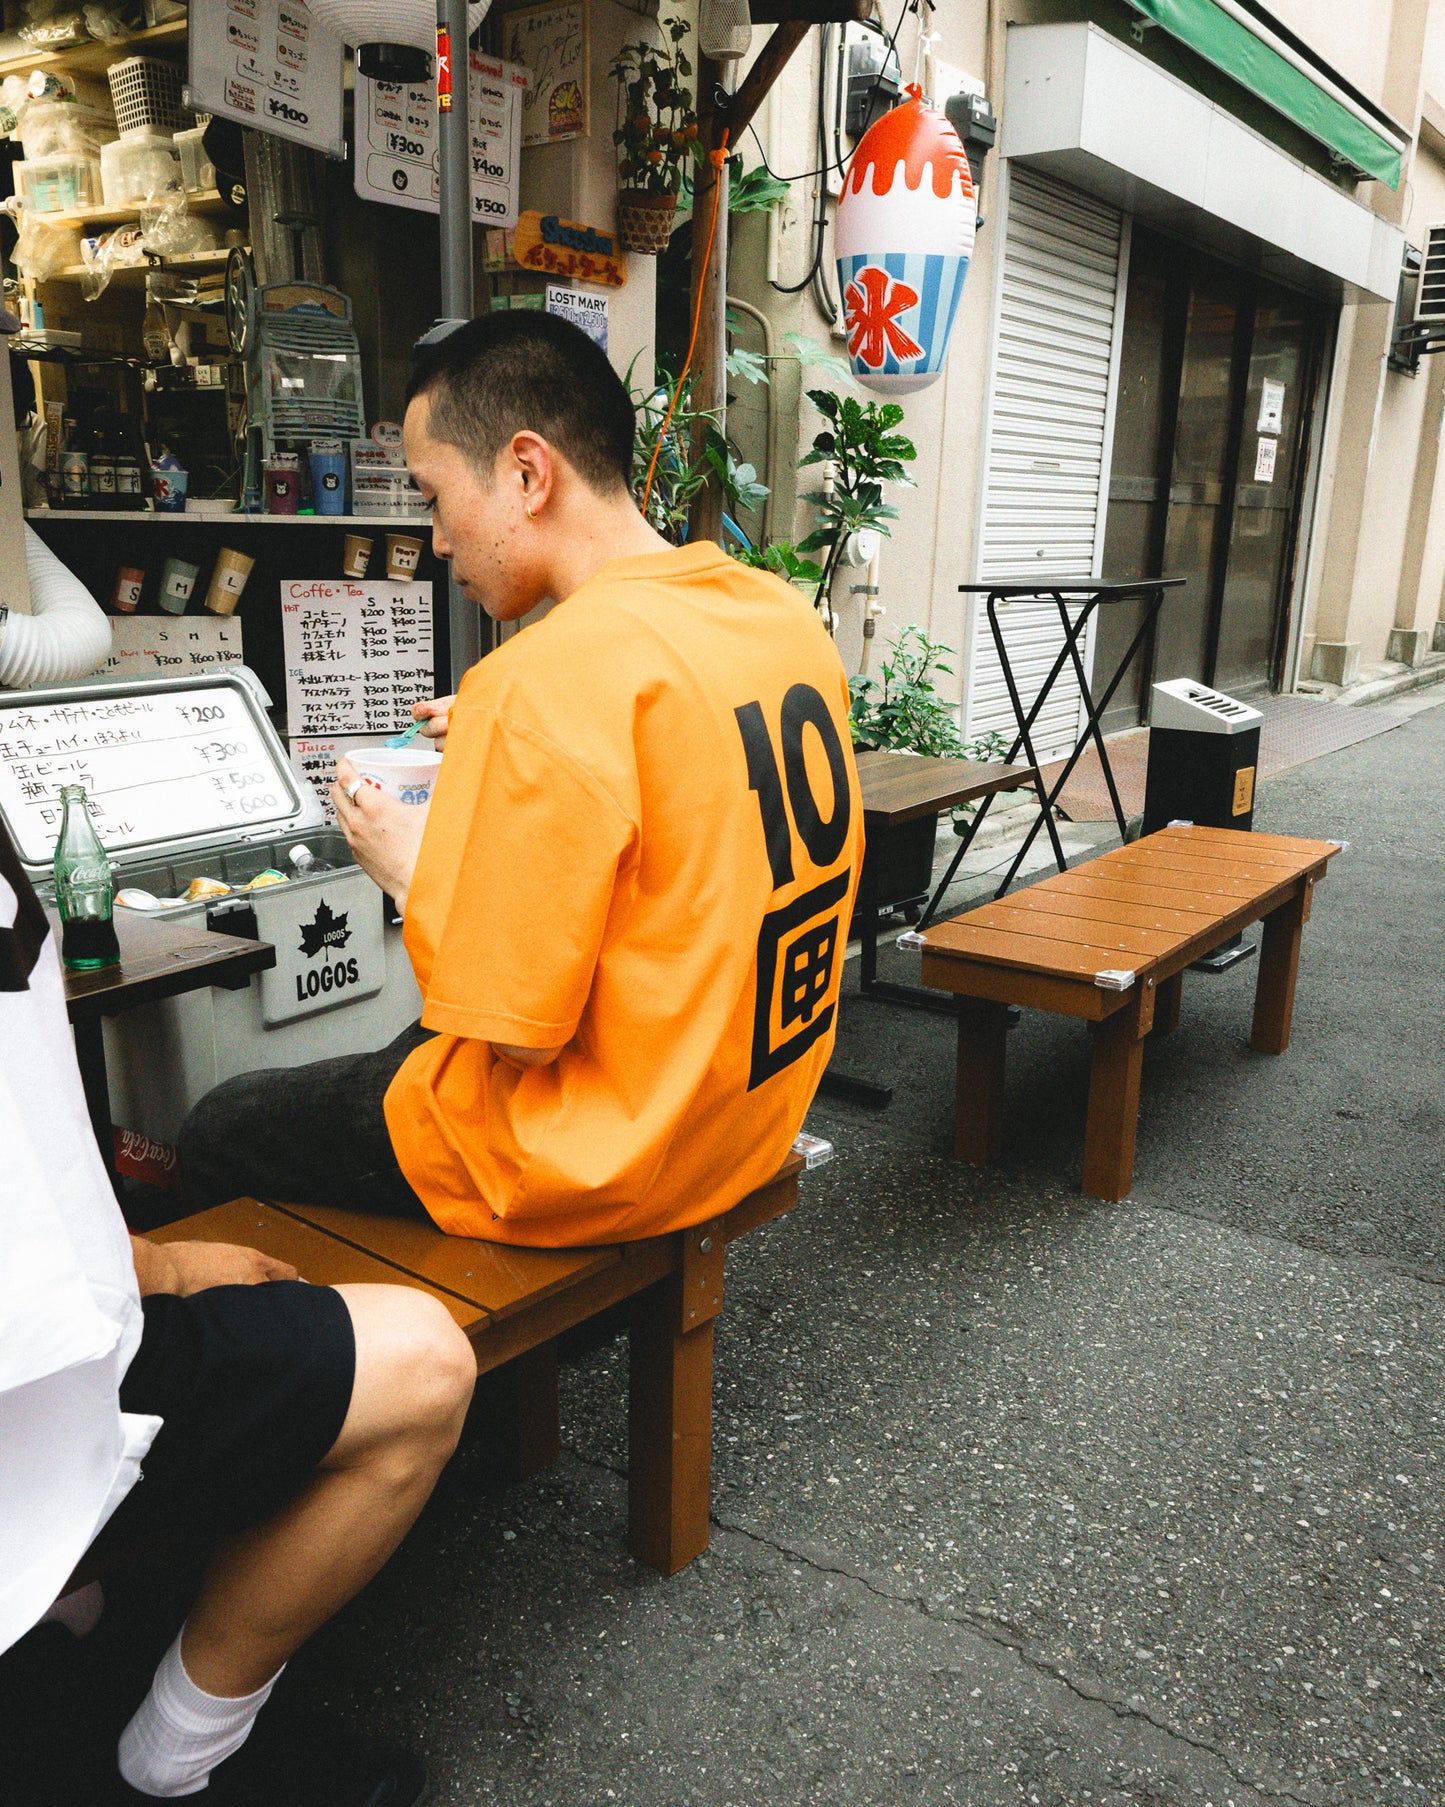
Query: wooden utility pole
x: 719, y: 112
x: 709, y: 289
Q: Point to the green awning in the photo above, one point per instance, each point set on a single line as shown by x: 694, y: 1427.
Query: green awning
x: 1232, y: 47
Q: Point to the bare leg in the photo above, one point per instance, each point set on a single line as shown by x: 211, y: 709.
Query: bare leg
x: 268, y: 1589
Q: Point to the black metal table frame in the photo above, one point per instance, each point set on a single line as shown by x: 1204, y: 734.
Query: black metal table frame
x: 1087, y: 596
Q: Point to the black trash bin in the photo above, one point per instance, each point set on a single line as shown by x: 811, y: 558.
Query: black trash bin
x: 1203, y: 751
x: 1203, y: 756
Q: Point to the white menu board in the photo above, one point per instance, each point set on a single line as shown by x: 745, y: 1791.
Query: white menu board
x: 174, y: 646
x: 267, y: 63
x: 157, y: 768
x: 358, y: 655
x: 315, y: 761
x: 398, y: 155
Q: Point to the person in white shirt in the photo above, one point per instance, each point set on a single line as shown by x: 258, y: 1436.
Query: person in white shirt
x: 150, y: 1389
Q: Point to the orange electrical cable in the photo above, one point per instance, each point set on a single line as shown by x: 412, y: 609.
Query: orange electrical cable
x: 717, y: 159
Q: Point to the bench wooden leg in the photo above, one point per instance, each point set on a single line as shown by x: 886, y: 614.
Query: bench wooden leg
x: 529, y: 1419
x: 1278, y: 970
x: 1114, y: 1101
x: 1167, y: 999
x: 978, y: 1094
x: 669, y: 1432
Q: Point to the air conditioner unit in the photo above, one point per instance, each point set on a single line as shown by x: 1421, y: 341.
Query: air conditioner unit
x: 1430, y: 299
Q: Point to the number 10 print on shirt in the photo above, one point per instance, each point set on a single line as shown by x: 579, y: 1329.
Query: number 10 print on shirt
x: 799, y: 945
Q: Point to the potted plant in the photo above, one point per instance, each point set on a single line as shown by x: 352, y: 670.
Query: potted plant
x: 655, y: 137
x: 678, y: 476
x: 862, y: 446
x: 903, y: 710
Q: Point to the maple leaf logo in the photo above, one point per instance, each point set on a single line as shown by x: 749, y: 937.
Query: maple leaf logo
x: 325, y: 929
x: 872, y: 303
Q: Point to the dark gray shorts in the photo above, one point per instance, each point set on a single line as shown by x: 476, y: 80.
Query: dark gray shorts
x: 312, y: 1135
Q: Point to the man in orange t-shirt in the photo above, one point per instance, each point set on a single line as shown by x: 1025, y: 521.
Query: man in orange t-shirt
x: 628, y: 903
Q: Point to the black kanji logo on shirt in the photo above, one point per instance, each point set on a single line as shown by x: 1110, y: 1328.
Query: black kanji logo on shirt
x: 799, y: 945
x: 796, y: 948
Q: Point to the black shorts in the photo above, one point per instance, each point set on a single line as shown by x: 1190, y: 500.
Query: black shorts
x: 253, y: 1384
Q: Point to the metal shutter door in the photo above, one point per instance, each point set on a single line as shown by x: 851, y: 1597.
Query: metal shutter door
x: 1049, y: 421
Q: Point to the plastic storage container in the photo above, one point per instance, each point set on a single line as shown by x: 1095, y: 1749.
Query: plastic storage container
x: 60, y: 184
x: 141, y: 166
x: 147, y: 92
x: 197, y: 170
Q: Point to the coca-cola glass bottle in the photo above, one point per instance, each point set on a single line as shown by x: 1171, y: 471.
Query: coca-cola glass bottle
x: 84, y: 888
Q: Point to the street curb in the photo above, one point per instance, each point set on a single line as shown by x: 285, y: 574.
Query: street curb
x: 1430, y: 671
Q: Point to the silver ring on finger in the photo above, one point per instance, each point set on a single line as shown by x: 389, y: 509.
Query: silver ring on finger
x: 352, y: 788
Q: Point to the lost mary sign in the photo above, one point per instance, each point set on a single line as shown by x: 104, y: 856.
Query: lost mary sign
x: 329, y: 941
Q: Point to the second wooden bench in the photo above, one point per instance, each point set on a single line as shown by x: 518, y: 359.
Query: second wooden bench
x: 1108, y: 941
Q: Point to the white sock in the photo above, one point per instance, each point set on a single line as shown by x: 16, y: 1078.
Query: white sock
x: 78, y: 1612
x: 179, y: 1733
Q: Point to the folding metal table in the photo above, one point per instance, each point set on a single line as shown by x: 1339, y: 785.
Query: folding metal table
x: 1087, y: 596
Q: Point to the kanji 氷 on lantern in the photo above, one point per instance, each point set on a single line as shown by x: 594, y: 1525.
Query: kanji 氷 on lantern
x: 903, y: 239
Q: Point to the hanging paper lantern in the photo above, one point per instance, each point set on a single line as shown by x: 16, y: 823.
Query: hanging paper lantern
x: 903, y: 238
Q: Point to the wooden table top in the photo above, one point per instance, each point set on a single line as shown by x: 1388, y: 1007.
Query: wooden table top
x: 900, y: 787
x: 159, y: 958
x: 1163, y: 899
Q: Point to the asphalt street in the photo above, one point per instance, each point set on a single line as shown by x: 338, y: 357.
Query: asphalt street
x: 1019, y: 1497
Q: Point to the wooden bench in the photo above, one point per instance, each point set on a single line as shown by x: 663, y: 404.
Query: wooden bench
x: 514, y: 1303
x: 1109, y: 941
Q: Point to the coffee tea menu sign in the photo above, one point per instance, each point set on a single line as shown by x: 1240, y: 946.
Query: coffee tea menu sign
x: 357, y: 655
x: 171, y: 646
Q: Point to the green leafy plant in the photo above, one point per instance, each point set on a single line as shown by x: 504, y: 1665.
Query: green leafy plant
x: 784, y: 560
x: 861, y: 444
x: 678, y: 477
x: 749, y: 190
x: 657, y: 124
x: 901, y: 709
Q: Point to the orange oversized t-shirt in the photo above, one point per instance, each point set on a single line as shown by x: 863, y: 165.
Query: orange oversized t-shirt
x: 643, y: 844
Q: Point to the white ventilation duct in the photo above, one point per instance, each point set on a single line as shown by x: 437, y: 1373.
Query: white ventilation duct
x: 67, y: 636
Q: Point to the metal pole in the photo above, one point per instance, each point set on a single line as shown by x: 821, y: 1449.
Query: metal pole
x: 463, y: 616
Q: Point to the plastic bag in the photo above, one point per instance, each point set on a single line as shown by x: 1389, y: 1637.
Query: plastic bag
x: 104, y: 255
x: 50, y: 26
x: 112, y: 23
x: 171, y: 230
x: 43, y: 250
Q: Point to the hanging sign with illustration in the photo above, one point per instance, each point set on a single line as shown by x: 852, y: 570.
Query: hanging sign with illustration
x: 561, y: 247
x: 903, y: 238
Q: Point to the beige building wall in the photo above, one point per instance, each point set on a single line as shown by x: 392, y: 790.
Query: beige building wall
x: 1375, y: 562
x: 1374, y: 582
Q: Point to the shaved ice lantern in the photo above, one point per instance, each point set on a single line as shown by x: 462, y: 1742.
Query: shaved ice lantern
x: 903, y: 238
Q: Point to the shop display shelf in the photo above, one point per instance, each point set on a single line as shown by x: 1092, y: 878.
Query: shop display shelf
x: 206, y: 200
x: 132, y: 276
x: 204, y: 517
x: 95, y: 58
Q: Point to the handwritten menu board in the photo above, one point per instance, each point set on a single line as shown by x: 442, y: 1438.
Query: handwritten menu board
x: 315, y: 761
x: 358, y: 655
x: 173, y: 646
x: 550, y: 42
x: 267, y: 63
x: 398, y: 157
x: 157, y: 768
